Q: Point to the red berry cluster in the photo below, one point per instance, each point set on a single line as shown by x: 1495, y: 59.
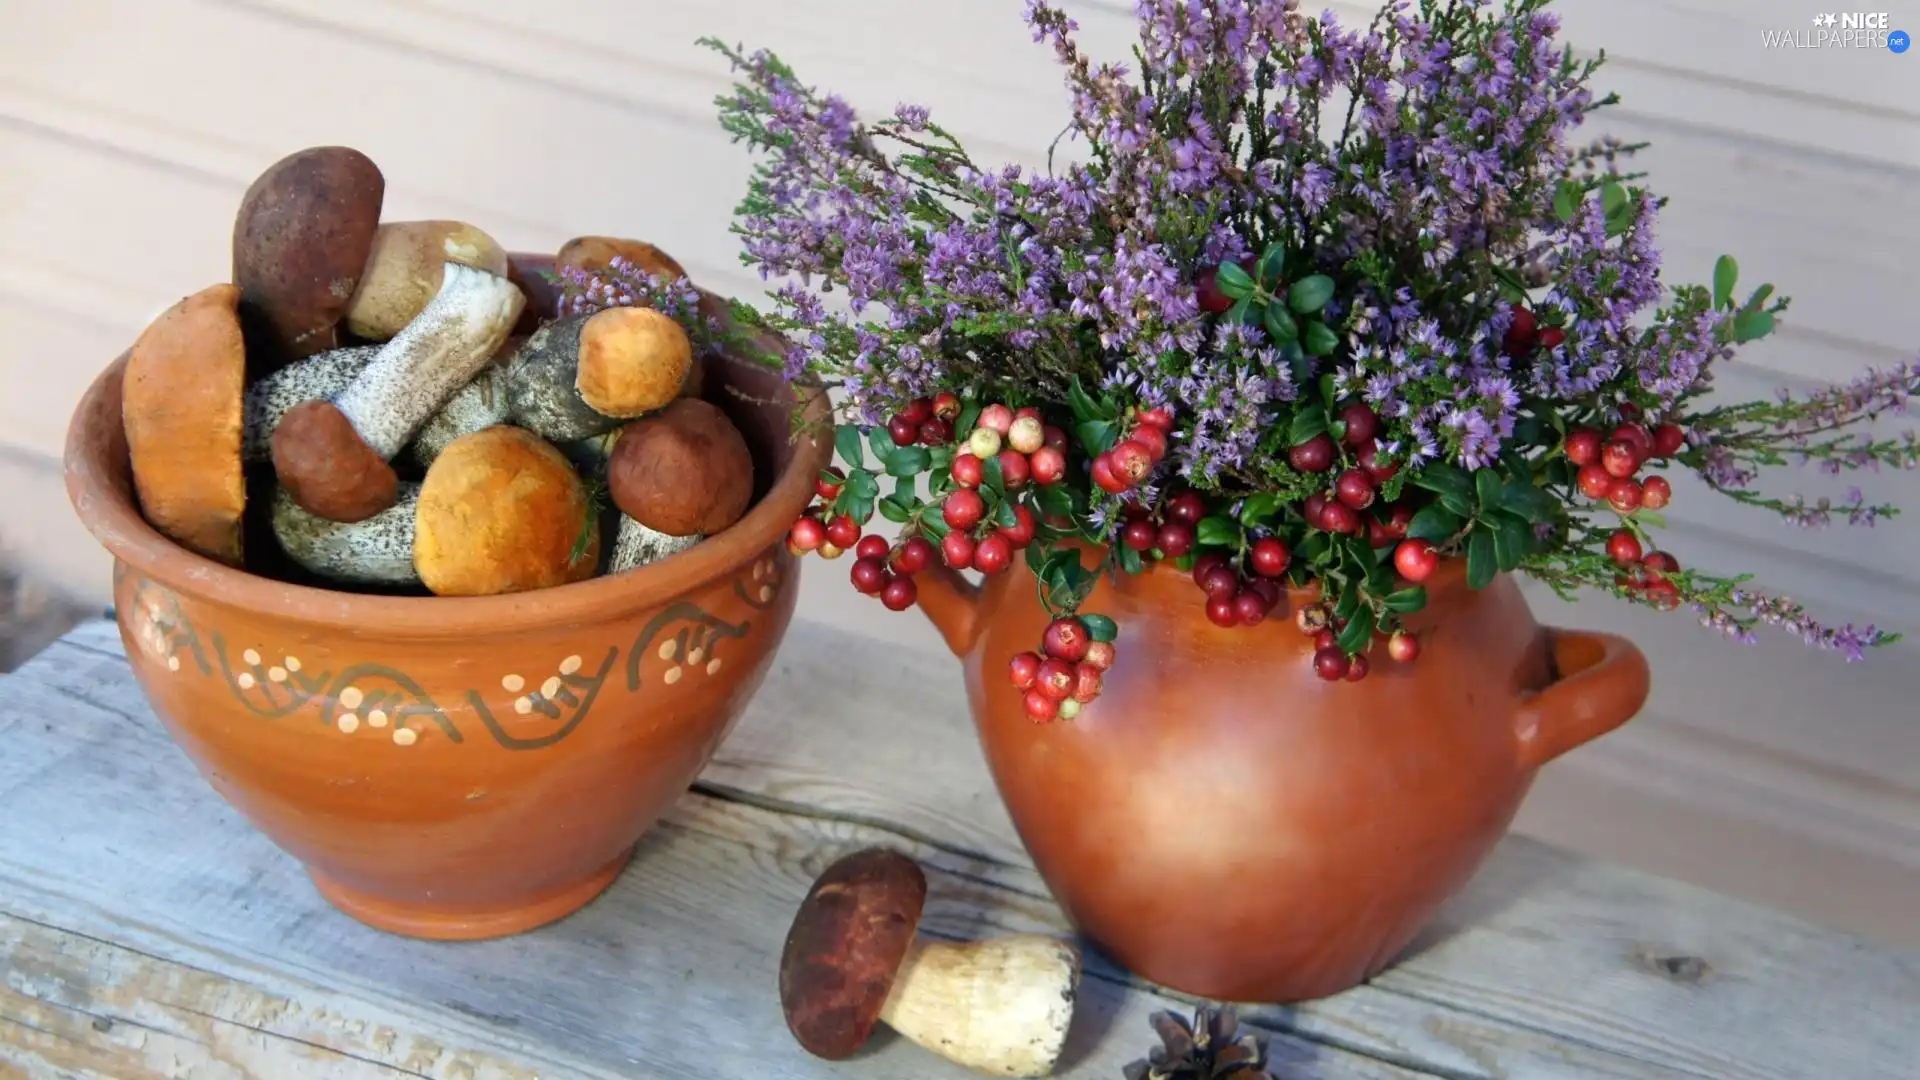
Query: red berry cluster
x: 1646, y: 573
x: 1608, y: 465
x: 1028, y: 451
x: 879, y: 568
x: 927, y: 421
x: 1333, y: 663
x: 1356, y: 488
x: 1526, y: 334
x: 1065, y: 674
x: 1132, y: 458
x: 1172, y: 527
x: 1243, y: 599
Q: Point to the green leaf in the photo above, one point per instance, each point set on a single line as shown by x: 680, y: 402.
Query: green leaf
x: 860, y: 508
x: 935, y: 527
x: 1259, y: 508
x: 1560, y: 472
x: 892, y: 510
x: 907, y: 461
x: 1442, y: 478
x: 1458, y: 503
x: 1529, y: 502
x: 1280, y: 325
x: 879, y: 442
x: 968, y: 419
x: 1359, y: 632
x: 1036, y: 559
x: 1217, y: 532
x: 1083, y: 405
x: 846, y: 442
x: 1435, y: 523
x: 1309, y: 423
x: 1310, y: 293
x: 1566, y: 201
x: 1486, y: 485
x: 1726, y: 274
x: 1054, y: 501
x: 1097, y: 436
x: 1759, y: 297
x: 1348, y: 603
x: 1482, y: 562
x: 1320, y: 340
x: 1272, y: 262
x: 903, y: 490
x: 1233, y: 281
x: 1530, y: 430
x: 1749, y: 325
x: 993, y: 479
x: 1053, y: 571
x: 1311, y: 548
x: 1255, y: 313
x: 1130, y: 561
x: 1407, y: 601
x: 1326, y: 387
x: 1004, y: 516
x: 861, y: 484
x: 1613, y: 198
x: 1509, y: 544
x: 1099, y: 627
x: 1241, y: 311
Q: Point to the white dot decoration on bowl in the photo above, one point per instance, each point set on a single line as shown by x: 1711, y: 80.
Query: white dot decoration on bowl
x: 553, y: 692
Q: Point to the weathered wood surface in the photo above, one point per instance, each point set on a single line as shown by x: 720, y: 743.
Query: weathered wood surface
x: 146, y: 931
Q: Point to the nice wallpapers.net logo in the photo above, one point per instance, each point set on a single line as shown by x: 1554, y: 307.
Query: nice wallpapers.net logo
x: 1842, y: 30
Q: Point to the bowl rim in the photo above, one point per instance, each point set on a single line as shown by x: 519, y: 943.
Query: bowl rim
x: 89, y: 465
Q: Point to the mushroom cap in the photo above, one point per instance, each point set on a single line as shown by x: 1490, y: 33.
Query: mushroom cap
x: 632, y: 360
x: 683, y: 470
x: 845, y: 948
x: 404, y: 271
x: 502, y: 511
x: 327, y: 468
x: 184, y: 411
x: 593, y: 254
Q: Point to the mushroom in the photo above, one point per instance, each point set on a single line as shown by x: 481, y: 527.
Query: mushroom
x: 300, y: 242
x: 678, y: 478
x: 594, y: 254
x: 582, y: 375
x: 332, y: 456
x: 182, y: 408
x: 852, y: 958
x: 635, y: 545
x: 502, y: 511
x: 377, y: 551
x: 403, y: 271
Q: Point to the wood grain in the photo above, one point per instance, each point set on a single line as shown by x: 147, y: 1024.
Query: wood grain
x: 1549, y: 966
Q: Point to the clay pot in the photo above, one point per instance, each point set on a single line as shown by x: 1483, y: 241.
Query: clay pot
x: 1224, y: 823
x: 452, y: 767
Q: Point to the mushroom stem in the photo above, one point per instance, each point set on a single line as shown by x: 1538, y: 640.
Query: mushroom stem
x: 584, y: 375
x: 635, y: 545
x: 1000, y: 1007
x: 476, y: 406
x: 436, y: 354
x: 375, y: 551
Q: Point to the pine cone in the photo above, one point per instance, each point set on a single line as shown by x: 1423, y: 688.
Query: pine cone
x: 1210, y: 1048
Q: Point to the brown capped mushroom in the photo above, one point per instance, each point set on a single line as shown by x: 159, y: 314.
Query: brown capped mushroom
x: 403, y: 272
x: 684, y: 471
x: 594, y: 254
x: 300, y: 243
x: 332, y: 456
x: 183, y: 409
x: 584, y: 374
x: 853, y: 959
x: 502, y: 511
x: 376, y: 551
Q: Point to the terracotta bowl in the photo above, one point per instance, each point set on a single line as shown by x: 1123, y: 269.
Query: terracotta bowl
x: 456, y: 768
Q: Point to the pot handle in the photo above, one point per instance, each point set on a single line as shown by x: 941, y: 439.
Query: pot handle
x: 1603, y: 682
x: 953, y: 604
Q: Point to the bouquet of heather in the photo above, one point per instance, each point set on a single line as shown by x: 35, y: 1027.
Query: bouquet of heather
x: 1312, y: 308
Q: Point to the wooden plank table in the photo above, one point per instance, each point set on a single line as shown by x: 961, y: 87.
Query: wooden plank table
x: 147, y: 931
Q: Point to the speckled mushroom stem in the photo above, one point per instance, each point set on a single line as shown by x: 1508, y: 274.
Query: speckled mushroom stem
x: 376, y: 551
x: 312, y: 378
x: 437, y: 353
x: 476, y: 406
x: 635, y: 545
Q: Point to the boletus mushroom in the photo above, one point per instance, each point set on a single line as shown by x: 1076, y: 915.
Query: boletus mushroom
x: 594, y: 254
x: 332, y: 456
x: 376, y: 551
x: 582, y: 375
x: 403, y: 272
x: 182, y: 405
x: 502, y: 511
x: 853, y: 958
x: 678, y: 477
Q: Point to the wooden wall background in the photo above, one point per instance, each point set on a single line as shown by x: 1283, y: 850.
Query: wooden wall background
x: 129, y: 128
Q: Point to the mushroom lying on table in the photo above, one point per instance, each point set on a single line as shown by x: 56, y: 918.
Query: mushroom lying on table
x: 332, y: 456
x: 182, y: 406
x: 583, y: 375
x: 853, y: 959
x: 678, y: 477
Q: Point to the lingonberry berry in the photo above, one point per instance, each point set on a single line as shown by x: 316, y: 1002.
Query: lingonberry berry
x: 1520, y: 334
x: 1668, y: 440
x: 1056, y: 438
x: 1070, y: 709
x: 1024, y: 526
x: 1139, y: 534
x: 1027, y: 434
x: 830, y: 551
x: 984, y: 443
x: 1663, y: 594
x: 957, y: 548
x: 1066, y: 637
x: 963, y: 508
x: 1015, y: 469
x: 968, y: 471
x: 1625, y: 496
x: 1159, y: 416
x: 1637, y: 435
x: 936, y: 432
x: 1221, y: 612
x: 1416, y: 560
x: 914, y: 555
x: 1620, y: 458
x: 1206, y: 290
x: 1152, y: 438
x: 1188, y: 507
x: 1039, y: 706
x: 1270, y: 557
x: 996, y: 418
x: 872, y: 547
x: 1551, y: 337
x: 1362, y: 424
x: 1251, y: 608
x: 827, y: 485
x: 992, y: 554
x: 899, y: 594
x: 1357, y: 668
x: 1314, y: 508
x: 920, y: 410
x: 1623, y: 547
x: 1023, y: 669
x: 1340, y: 518
x: 1655, y: 492
x: 807, y: 534
x: 946, y: 405
x: 1266, y: 590
x: 1047, y: 465
x: 1131, y: 461
x: 1055, y: 678
x: 1595, y: 481
x: 1368, y: 457
x: 1403, y: 647
x: 1629, y: 410
x: 1398, y: 520
x: 1313, y: 456
x: 1099, y: 655
x: 1220, y: 580
x: 1326, y: 639
x: 1355, y: 488
x: 1331, y: 664
x: 1086, y: 683
x: 1204, y: 565
x: 1379, y: 535
x: 1175, y: 539
x: 1104, y: 475
x: 843, y: 532
x: 902, y: 431
x: 869, y: 576
x: 1312, y: 618
x: 1583, y: 446
x: 1025, y: 411
x: 1660, y: 564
